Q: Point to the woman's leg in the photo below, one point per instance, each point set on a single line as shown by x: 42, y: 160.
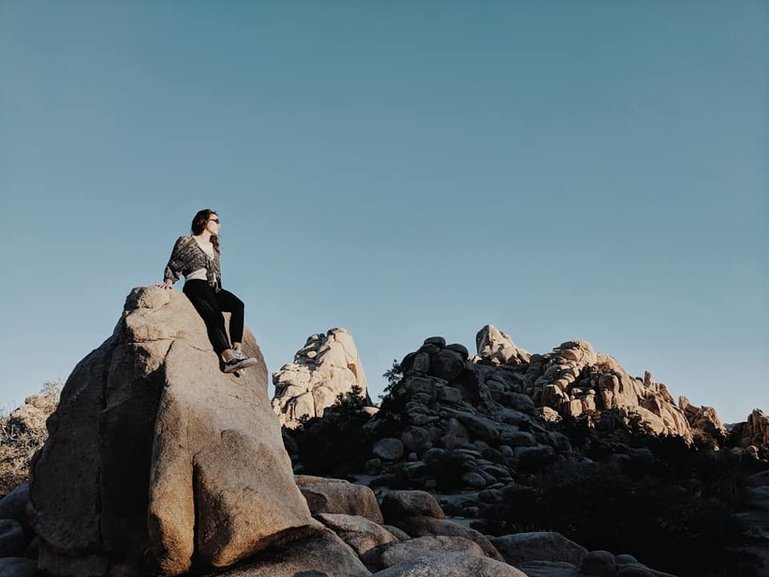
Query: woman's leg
x: 204, y: 300
x: 228, y: 302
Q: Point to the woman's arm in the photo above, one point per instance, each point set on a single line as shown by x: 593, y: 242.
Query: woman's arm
x: 173, y: 270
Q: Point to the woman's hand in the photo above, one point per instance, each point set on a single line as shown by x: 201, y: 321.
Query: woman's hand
x: 168, y: 285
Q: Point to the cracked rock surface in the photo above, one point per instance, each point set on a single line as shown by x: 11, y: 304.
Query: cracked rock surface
x: 153, y: 448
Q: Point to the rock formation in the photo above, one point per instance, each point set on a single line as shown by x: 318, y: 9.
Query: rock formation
x: 575, y: 380
x: 326, y: 367
x: 497, y: 348
x: 754, y: 432
x: 153, y: 448
x: 22, y: 433
x: 705, y: 424
x: 454, y: 421
x: 451, y: 422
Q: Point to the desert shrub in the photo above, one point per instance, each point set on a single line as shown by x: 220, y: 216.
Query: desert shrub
x: 22, y: 433
x: 336, y: 443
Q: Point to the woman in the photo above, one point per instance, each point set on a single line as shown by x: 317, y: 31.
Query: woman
x: 197, y: 258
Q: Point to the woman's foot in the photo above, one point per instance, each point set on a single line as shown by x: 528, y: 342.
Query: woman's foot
x: 239, y: 362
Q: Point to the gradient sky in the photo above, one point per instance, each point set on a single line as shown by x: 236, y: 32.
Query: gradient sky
x: 403, y: 169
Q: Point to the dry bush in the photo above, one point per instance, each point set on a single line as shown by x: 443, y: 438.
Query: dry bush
x: 22, y: 433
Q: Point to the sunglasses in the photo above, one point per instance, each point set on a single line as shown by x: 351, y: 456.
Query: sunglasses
x: 216, y: 220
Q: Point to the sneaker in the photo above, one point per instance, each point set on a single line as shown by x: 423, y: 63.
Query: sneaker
x: 236, y: 363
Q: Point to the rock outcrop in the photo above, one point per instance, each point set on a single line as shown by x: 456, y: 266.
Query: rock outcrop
x: 575, y: 380
x: 705, y: 424
x: 754, y: 432
x: 454, y: 421
x: 325, y: 368
x: 22, y: 433
x: 497, y: 348
x: 153, y: 448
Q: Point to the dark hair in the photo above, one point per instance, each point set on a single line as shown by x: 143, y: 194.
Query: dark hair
x: 199, y: 223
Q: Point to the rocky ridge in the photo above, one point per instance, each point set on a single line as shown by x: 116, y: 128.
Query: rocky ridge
x: 158, y: 463
x: 486, y: 416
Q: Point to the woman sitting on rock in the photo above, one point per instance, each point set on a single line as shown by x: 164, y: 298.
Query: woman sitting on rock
x: 197, y: 258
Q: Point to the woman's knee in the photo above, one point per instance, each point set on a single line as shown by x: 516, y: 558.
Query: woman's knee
x: 233, y: 303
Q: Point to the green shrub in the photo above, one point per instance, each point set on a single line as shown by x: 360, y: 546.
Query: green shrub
x: 336, y: 443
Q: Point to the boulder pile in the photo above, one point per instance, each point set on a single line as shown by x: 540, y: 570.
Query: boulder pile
x: 451, y: 422
x: 753, y: 434
x: 575, y: 380
x: 455, y: 421
x: 326, y: 367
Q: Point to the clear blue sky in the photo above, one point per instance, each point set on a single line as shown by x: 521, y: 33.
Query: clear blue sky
x: 561, y: 169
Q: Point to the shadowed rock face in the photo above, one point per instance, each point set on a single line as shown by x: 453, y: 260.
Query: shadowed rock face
x: 153, y: 448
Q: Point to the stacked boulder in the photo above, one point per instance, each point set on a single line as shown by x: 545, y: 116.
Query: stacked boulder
x: 706, y: 426
x: 753, y: 434
x: 326, y: 367
x: 575, y: 380
x: 454, y: 423
x: 497, y: 348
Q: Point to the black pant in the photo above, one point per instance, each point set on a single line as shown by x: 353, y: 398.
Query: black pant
x: 210, y: 305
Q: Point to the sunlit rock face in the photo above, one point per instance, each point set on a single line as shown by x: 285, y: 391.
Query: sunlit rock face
x: 326, y: 367
x: 153, y: 449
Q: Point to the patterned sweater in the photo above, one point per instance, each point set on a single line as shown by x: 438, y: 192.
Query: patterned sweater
x: 186, y: 257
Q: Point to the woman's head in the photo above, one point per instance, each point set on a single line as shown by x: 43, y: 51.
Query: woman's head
x: 207, y: 219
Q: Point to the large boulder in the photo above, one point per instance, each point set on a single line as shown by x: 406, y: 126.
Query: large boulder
x: 451, y: 564
x: 498, y: 348
x: 518, y: 548
x: 325, y: 368
x: 341, y: 497
x: 421, y: 546
x: 153, y: 448
x: 360, y: 533
x: 397, y: 505
x: 14, y: 505
x: 13, y: 540
x: 321, y: 555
